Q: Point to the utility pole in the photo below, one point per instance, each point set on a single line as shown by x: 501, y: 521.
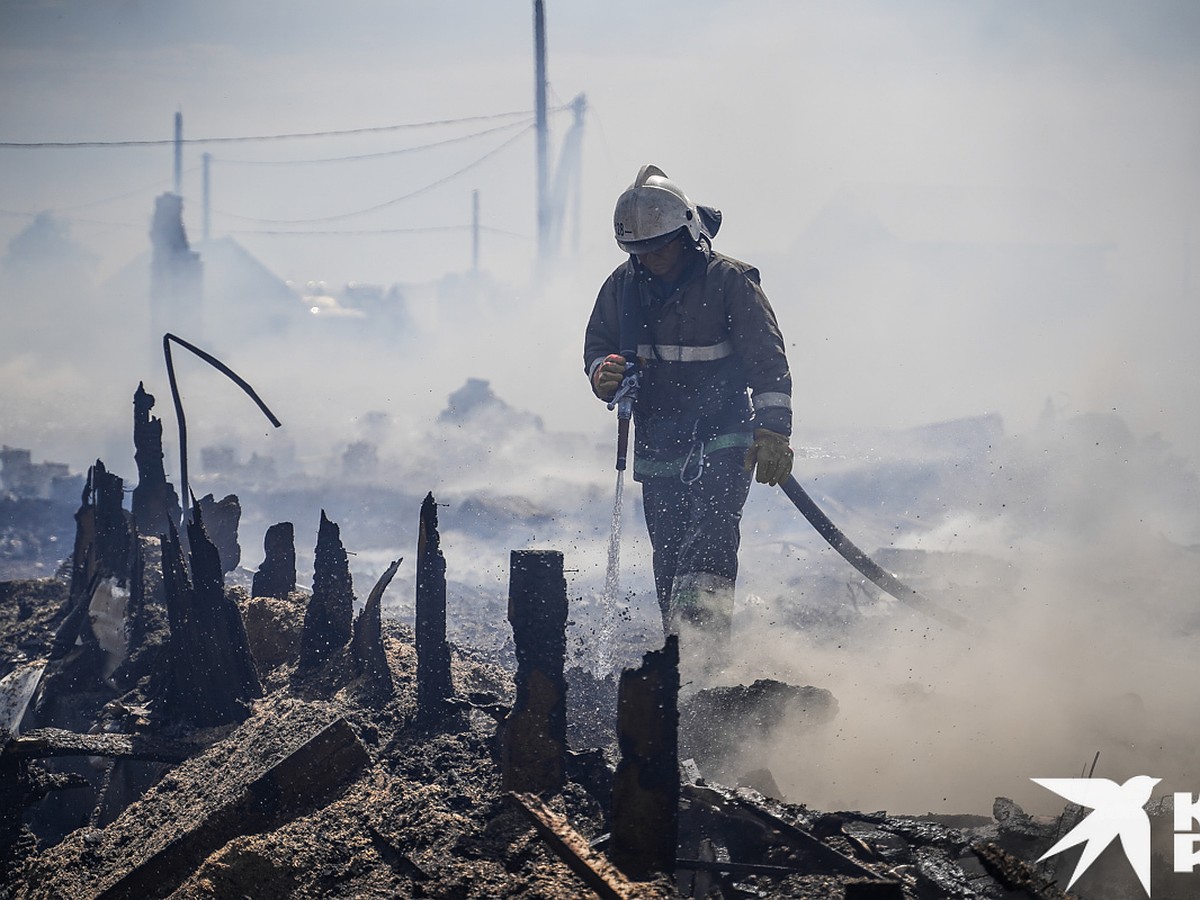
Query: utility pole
x: 179, y: 153
x: 207, y: 204
x: 579, y: 107
x: 543, y: 212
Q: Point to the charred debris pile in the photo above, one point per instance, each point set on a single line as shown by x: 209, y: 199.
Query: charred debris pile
x: 162, y: 734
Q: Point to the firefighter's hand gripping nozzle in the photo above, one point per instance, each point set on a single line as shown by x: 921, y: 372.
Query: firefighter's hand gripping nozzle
x: 623, y: 401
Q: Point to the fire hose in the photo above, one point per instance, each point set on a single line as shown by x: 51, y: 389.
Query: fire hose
x: 623, y: 401
x: 876, y: 574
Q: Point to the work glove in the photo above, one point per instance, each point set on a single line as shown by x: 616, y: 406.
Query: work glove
x: 608, y: 376
x: 772, y: 456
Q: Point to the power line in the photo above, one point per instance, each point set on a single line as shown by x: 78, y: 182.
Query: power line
x: 355, y: 231
x: 386, y: 203
x: 382, y: 153
x: 366, y: 232
x: 25, y: 145
x: 157, y: 183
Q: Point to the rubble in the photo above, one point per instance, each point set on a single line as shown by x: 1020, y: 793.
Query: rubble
x: 408, y: 806
x: 307, y: 778
x: 716, y: 723
x: 271, y: 744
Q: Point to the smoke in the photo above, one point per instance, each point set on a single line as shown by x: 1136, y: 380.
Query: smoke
x: 1072, y: 564
x: 981, y: 214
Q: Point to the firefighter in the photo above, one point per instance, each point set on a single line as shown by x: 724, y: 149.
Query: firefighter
x: 713, y: 407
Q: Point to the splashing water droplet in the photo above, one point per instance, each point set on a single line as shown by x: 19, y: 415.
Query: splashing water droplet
x: 612, y: 584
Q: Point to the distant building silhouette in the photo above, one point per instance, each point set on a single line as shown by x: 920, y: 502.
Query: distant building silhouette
x: 176, y: 274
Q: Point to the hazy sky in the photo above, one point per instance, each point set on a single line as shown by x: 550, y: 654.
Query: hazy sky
x: 958, y: 209
x: 993, y: 143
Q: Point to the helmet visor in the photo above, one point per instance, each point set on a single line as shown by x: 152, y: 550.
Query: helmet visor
x: 649, y: 245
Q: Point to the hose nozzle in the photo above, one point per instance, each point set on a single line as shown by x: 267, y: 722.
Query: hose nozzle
x: 622, y: 402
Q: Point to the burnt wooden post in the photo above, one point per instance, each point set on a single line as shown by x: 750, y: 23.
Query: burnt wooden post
x: 328, y: 619
x: 276, y: 577
x: 154, y: 500
x: 222, y: 518
x: 367, y: 654
x: 433, y: 653
x: 645, y: 823
x: 113, y: 532
x: 210, y: 676
x: 104, y: 541
x: 533, y: 737
x: 103, y: 533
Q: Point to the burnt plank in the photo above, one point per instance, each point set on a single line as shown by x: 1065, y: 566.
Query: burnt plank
x: 824, y: 859
x: 573, y: 849
x: 42, y: 743
x: 309, y: 777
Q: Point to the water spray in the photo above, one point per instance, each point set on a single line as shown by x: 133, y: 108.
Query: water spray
x: 622, y: 402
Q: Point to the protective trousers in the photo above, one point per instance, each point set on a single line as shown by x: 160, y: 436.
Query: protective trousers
x: 694, y: 523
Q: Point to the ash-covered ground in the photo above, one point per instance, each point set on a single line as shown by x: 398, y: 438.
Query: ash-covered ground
x: 1071, y: 550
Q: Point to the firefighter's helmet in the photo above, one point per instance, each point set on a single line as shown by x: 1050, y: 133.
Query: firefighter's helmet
x: 652, y: 211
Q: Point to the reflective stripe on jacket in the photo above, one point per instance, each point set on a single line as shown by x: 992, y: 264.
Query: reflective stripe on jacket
x: 702, y: 347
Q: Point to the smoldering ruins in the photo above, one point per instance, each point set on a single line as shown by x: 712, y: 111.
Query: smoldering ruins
x: 419, y: 690
x: 176, y: 724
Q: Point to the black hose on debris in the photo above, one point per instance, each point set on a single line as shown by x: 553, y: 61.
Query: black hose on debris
x: 877, y: 575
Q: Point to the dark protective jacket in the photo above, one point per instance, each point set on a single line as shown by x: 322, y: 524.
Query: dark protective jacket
x: 701, y: 345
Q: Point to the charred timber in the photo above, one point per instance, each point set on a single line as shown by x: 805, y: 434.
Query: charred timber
x: 210, y: 675
x: 368, y: 657
x: 43, y: 743
x: 154, y: 501
x: 645, y: 818
x: 106, y: 551
x: 114, y: 533
x: 533, y: 738
x: 573, y: 849
x: 817, y: 855
x: 306, y: 779
x: 221, y: 519
x: 276, y: 577
x: 434, y: 684
x: 103, y: 532
x: 328, y: 621
x: 22, y: 784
